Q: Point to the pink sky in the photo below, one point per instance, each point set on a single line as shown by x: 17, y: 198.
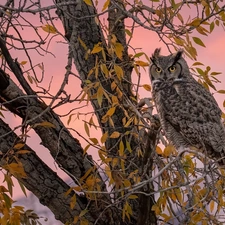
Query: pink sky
x: 144, y: 39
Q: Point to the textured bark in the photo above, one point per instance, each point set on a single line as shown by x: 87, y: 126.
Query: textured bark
x: 79, y: 23
x: 40, y: 179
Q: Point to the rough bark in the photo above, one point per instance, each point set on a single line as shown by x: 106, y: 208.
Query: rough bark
x: 40, y: 179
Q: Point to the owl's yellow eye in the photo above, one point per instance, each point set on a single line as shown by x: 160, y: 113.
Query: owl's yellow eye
x: 172, y: 68
x: 158, y: 70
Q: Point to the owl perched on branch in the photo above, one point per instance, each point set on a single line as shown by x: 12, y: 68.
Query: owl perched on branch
x: 188, y: 112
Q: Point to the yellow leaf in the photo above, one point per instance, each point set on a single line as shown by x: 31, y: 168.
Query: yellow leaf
x: 104, y: 137
x: 84, y: 222
x: 121, y: 148
x: 23, y: 152
x: 211, y: 205
x: 86, y: 174
x: 44, y: 124
x: 73, y: 201
x: 114, y: 162
x: 196, y: 22
x: 197, y: 217
x: 97, y: 48
x: 113, y: 86
x: 75, y: 220
x: 85, y: 149
x: 118, y: 71
x: 128, y: 146
x: 156, y: 209
x: 94, y: 140
x: 77, y: 188
x: 100, y: 95
x: 49, y: 29
x: 18, y: 145
x: 88, y: 2
x: 82, y: 43
x: 106, y: 5
x: 111, y: 111
x: 178, y: 41
x: 198, y: 41
x: 129, y: 122
x: 133, y: 197
x: 115, y: 100
x: 141, y: 63
x: 83, y: 212
x: 119, y: 50
x: 158, y: 150
x: 115, y: 134
x: 23, y: 63
x: 104, y: 69
x: 221, y: 91
x: 16, y: 169
x: 86, y: 128
x: 168, y: 150
x: 127, y: 183
x: 147, y: 87
x: 180, y: 17
x: 90, y: 182
x: 202, y: 30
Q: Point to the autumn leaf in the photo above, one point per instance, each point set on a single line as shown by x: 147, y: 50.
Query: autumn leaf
x: 104, y: 137
x: 97, y: 48
x: 88, y: 2
x: 86, y: 128
x: 100, y: 95
x: 141, y: 63
x: 73, y: 201
x: 118, y: 71
x: 44, y: 124
x: 106, y: 5
x: 119, y: 50
x: 18, y: 145
x: 198, y: 41
x: 115, y: 134
x: 49, y: 29
x: 147, y: 87
x: 23, y: 63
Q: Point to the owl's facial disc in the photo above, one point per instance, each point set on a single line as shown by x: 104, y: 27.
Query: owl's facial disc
x: 163, y: 74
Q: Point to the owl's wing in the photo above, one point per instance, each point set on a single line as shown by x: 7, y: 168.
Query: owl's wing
x: 196, y: 115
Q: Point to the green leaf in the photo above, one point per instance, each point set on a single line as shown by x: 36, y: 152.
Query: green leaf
x: 198, y: 41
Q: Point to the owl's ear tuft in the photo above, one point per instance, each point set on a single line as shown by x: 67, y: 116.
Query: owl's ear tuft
x: 155, y: 55
x: 178, y: 55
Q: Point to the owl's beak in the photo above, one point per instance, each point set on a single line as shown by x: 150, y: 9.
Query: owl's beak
x: 164, y: 76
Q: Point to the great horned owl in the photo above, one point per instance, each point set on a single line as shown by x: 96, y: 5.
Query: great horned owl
x: 188, y: 112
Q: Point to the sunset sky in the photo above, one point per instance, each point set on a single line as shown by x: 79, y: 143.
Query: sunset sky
x: 54, y: 68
